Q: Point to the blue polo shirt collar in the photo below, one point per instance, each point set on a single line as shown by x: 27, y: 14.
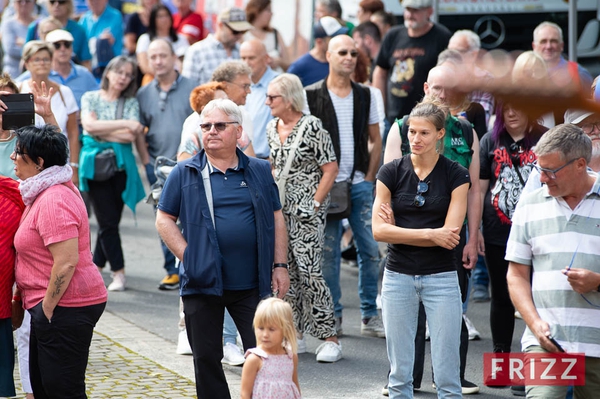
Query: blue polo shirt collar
x: 72, y: 74
x: 199, y: 161
x: 266, y: 78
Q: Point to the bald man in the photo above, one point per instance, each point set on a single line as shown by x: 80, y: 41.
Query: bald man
x: 164, y: 105
x: 349, y: 114
x: 254, y: 54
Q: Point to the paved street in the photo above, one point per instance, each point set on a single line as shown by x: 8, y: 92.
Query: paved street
x: 133, y: 351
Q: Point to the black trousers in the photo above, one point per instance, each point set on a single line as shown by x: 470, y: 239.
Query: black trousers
x: 106, y: 200
x: 204, y: 325
x: 59, y: 350
x: 463, y: 282
x: 502, y: 311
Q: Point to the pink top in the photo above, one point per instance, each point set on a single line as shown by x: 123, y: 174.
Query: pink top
x: 57, y: 214
x: 274, y: 380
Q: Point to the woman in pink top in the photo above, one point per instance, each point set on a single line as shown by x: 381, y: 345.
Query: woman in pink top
x: 59, y: 284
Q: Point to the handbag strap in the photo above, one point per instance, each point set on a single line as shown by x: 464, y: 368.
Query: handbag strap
x: 120, y: 108
x: 293, y: 148
x: 208, y: 191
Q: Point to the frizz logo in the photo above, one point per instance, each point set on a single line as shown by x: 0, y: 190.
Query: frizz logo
x: 533, y: 369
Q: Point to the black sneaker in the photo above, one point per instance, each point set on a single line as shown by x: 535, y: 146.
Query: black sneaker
x: 468, y: 388
x: 518, y: 390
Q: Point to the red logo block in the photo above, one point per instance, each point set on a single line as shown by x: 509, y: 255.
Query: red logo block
x: 533, y: 369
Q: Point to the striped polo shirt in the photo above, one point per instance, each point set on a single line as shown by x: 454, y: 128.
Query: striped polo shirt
x: 547, y: 234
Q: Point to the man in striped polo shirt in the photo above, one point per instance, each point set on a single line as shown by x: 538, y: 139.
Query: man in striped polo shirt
x: 556, y: 233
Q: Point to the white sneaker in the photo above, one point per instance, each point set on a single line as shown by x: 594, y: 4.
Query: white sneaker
x: 183, y: 345
x: 329, y: 352
x: 378, y: 301
x: 232, y: 355
x: 373, y: 327
x: 118, y: 283
x: 473, y: 333
x: 301, y: 342
x: 427, y: 335
x: 518, y: 315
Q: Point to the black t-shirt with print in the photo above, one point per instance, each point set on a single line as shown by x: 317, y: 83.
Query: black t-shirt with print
x: 408, y: 61
x: 399, y: 177
x: 507, y: 169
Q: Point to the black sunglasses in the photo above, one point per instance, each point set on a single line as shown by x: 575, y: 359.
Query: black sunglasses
x: 58, y: 45
x: 58, y: 1
x: 343, y: 53
x: 422, y: 188
x: 219, y: 126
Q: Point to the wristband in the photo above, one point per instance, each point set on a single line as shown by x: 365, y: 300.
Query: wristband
x: 17, y: 298
x: 74, y: 165
x: 285, y: 265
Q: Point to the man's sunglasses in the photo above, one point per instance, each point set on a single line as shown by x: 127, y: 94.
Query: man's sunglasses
x: 343, y: 53
x: 219, y: 126
x: 58, y: 45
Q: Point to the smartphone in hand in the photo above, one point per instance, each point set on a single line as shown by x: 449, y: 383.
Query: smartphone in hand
x: 551, y: 338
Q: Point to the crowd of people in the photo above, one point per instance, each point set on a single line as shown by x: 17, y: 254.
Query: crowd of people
x: 401, y: 134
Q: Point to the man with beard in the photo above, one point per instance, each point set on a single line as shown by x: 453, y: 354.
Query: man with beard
x: 407, y: 54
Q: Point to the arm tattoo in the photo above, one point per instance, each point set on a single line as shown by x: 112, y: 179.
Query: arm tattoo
x: 57, y: 284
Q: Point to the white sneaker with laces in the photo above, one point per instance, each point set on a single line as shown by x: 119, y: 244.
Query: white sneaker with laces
x: 329, y: 352
x: 301, y: 345
x: 232, y: 355
x: 118, y: 283
x: 473, y: 333
x: 183, y: 345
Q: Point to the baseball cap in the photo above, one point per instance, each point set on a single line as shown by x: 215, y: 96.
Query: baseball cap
x: 417, y: 3
x: 575, y: 116
x: 328, y: 27
x: 235, y: 18
x: 59, y: 35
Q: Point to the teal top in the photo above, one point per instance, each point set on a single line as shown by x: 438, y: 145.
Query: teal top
x: 91, y: 102
x: 7, y: 167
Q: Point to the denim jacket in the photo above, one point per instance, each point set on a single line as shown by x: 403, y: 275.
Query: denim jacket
x: 200, y: 269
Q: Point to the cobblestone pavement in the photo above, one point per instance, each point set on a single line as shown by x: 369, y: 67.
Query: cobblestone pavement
x: 128, y: 362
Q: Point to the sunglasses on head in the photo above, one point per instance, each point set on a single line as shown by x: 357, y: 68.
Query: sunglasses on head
x: 219, y: 126
x: 343, y: 53
x: 422, y: 188
x: 65, y: 44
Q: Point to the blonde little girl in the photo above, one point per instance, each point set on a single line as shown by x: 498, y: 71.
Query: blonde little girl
x: 271, y: 369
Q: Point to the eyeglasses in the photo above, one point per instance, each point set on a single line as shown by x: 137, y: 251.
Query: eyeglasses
x: 19, y: 152
x: 245, y: 86
x: 270, y: 98
x: 219, y: 126
x: 343, y: 53
x: 162, y: 97
x: 38, y: 61
x: 23, y: 1
x: 422, y: 188
x: 123, y: 73
x: 551, y: 173
x: 588, y: 128
x: 236, y: 32
x: 65, y: 44
x: 53, y: 2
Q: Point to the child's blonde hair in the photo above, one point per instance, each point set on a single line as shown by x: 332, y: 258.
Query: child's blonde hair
x: 278, y: 313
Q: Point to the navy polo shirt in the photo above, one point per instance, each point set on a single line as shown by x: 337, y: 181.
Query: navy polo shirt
x: 236, y: 228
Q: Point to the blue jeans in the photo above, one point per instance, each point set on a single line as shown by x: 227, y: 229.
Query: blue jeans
x: 367, y: 252
x: 229, y: 330
x: 440, y: 295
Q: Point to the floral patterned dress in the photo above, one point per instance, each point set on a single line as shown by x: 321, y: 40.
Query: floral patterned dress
x: 274, y: 379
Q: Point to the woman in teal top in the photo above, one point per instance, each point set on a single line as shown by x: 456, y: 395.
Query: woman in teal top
x: 105, y: 130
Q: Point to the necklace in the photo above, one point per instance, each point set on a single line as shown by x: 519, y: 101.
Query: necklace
x: 11, y: 134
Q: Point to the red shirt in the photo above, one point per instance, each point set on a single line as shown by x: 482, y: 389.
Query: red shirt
x: 191, y: 25
x: 11, y: 208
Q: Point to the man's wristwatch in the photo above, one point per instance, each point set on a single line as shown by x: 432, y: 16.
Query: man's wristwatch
x: 284, y: 265
x: 316, y: 203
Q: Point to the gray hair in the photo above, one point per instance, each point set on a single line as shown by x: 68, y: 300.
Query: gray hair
x: 333, y: 6
x: 449, y: 55
x: 116, y: 64
x: 290, y: 88
x: 471, y: 37
x: 228, y: 71
x: 567, y: 140
x: 544, y: 24
x: 226, y: 106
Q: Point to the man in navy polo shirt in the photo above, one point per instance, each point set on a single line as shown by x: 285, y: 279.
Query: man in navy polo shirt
x: 228, y: 206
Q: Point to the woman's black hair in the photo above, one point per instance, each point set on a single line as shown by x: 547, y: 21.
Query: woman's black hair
x: 46, y: 142
x: 152, y: 23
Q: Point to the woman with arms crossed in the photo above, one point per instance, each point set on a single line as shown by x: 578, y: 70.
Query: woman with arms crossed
x: 419, y: 209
